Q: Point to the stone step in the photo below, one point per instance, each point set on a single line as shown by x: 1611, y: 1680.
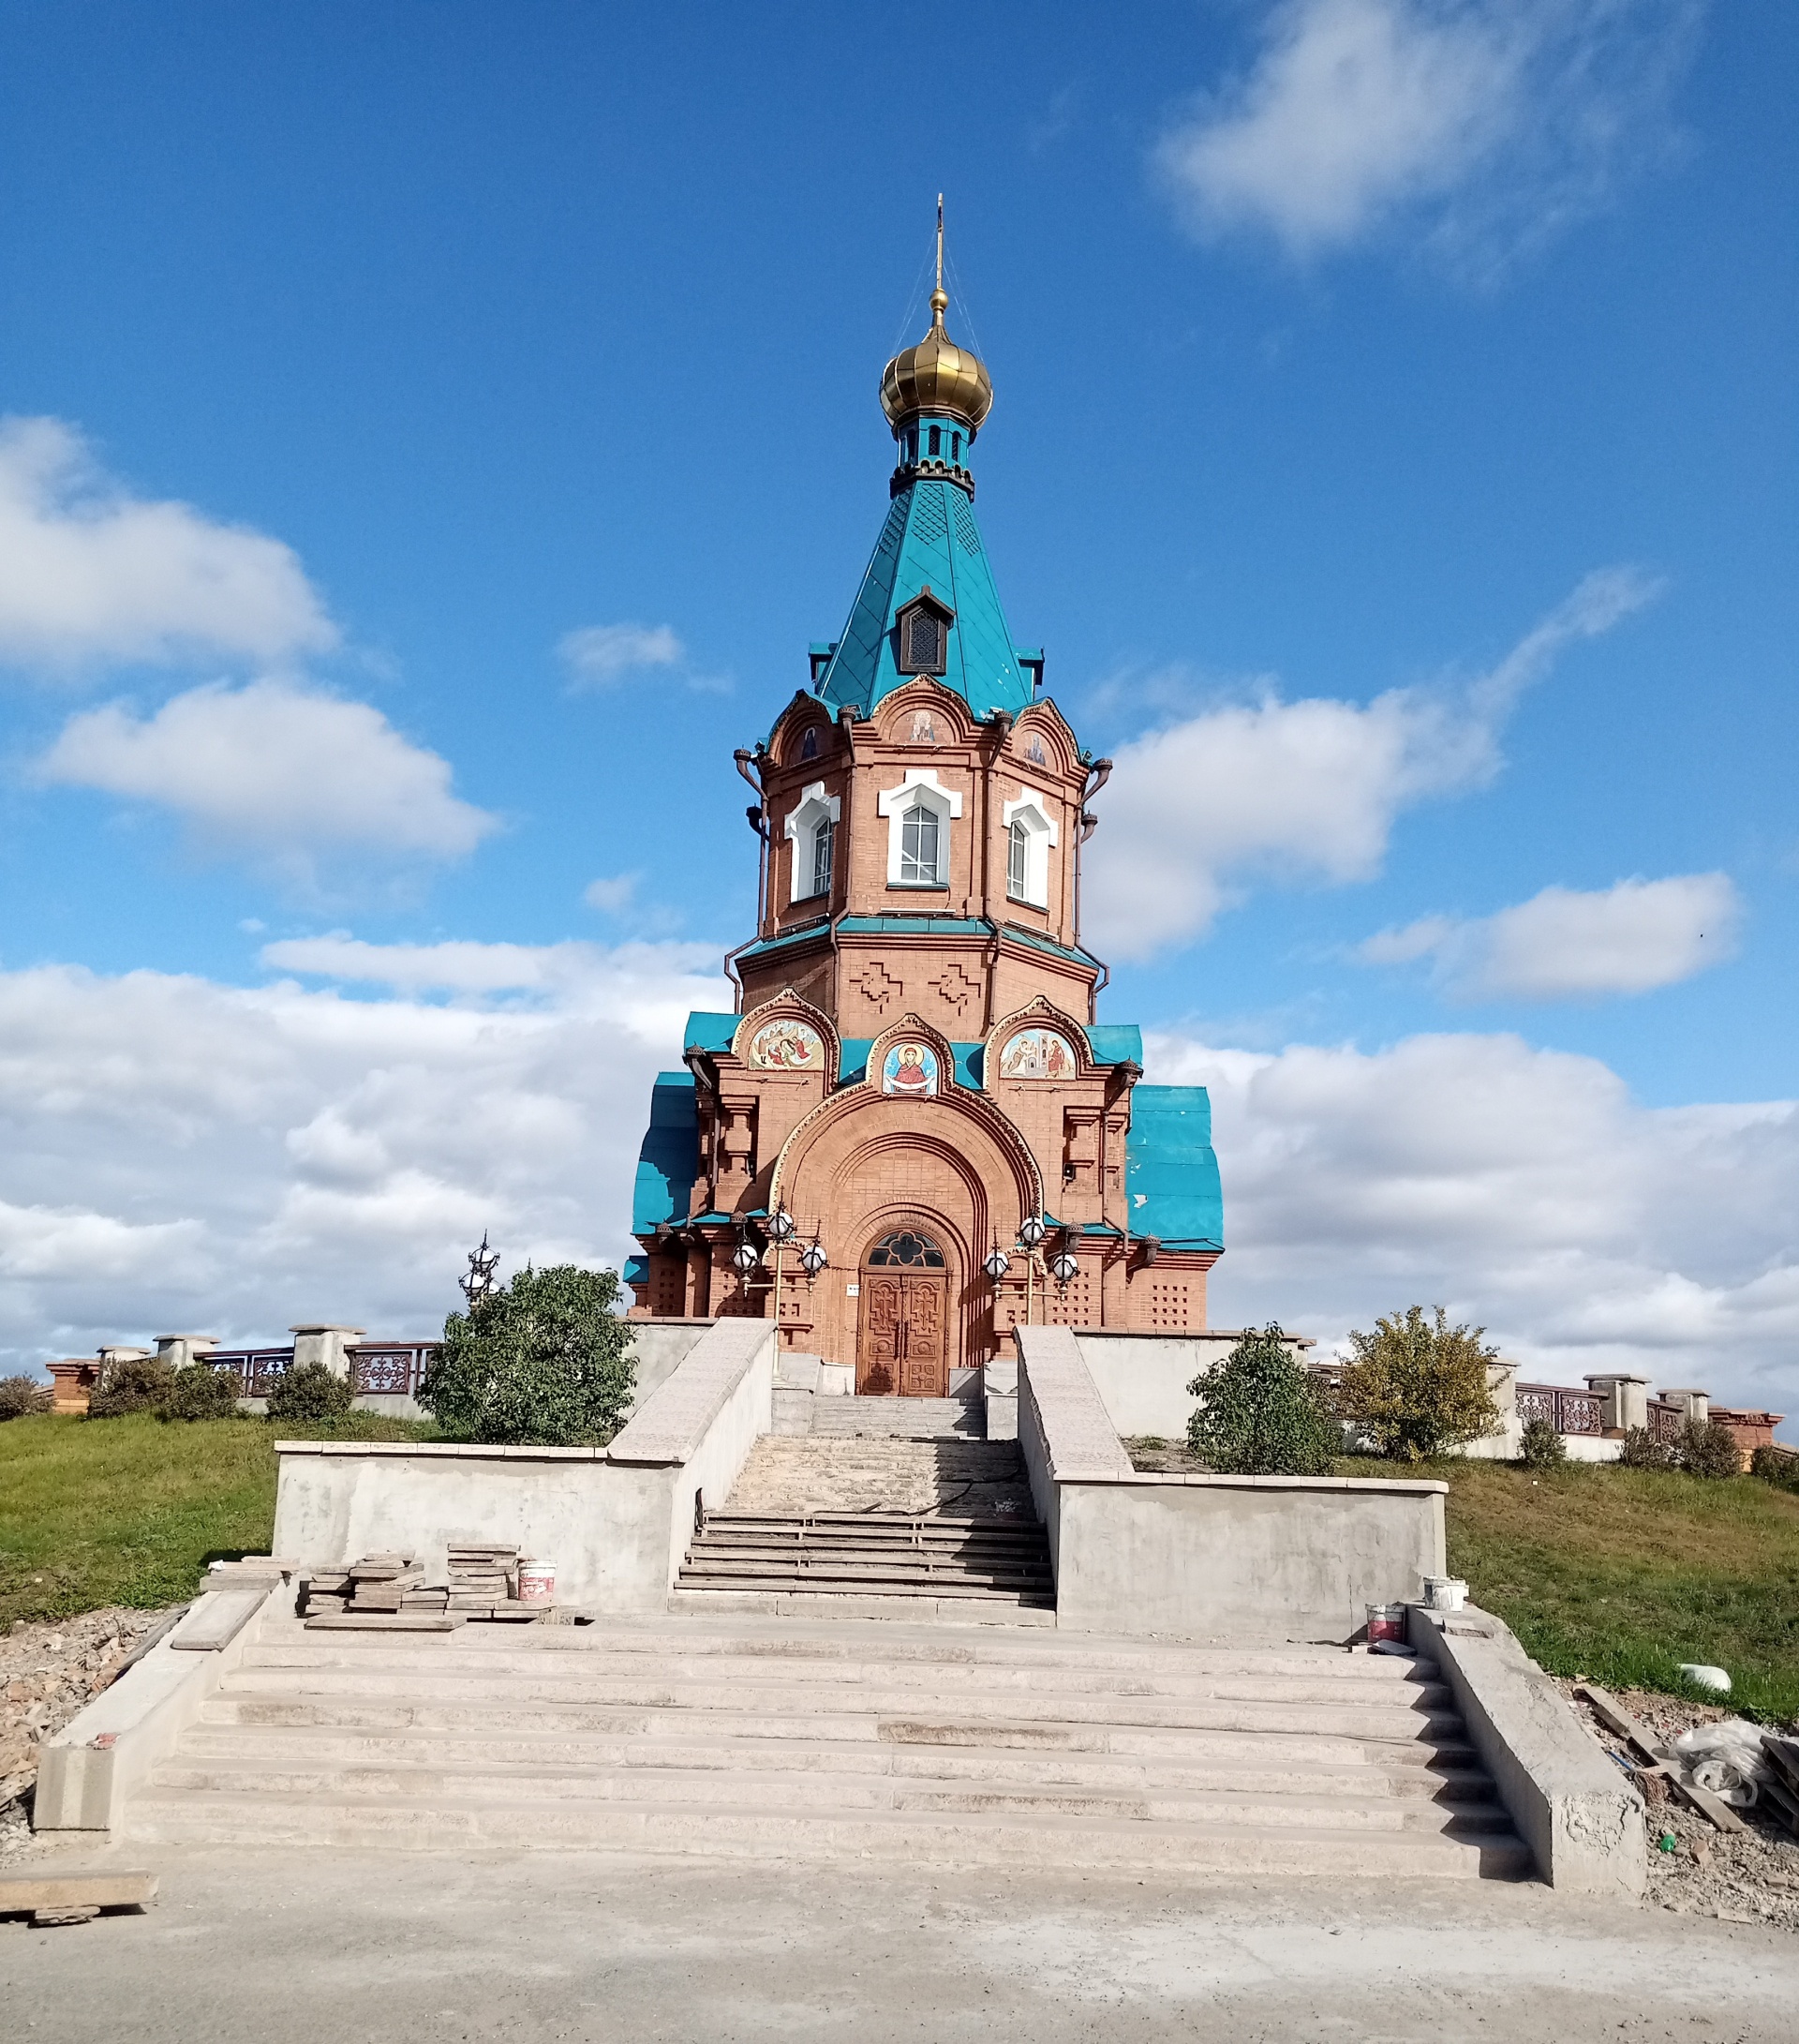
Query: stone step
x: 935, y: 1837
x: 711, y: 1571
x: 847, y: 1681
x: 1000, y: 1608
x: 1242, y: 1768
x: 915, y: 1419
x: 721, y: 1792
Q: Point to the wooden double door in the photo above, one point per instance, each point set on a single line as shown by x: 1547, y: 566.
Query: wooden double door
x: 903, y: 1345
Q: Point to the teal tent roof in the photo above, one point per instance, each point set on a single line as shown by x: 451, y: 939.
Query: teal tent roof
x: 669, y: 1161
x: 930, y: 541
x: 1171, y: 1170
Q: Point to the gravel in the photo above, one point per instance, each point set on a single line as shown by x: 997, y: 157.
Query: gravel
x: 1748, y: 1876
x: 48, y: 1673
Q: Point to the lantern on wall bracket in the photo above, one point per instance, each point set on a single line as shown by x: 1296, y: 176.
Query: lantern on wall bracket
x: 1064, y: 1266
x: 812, y: 1257
x: 1031, y: 1230
x: 997, y: 1263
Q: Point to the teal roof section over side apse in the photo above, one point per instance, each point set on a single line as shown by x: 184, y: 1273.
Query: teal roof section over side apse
x: 669, y: 1161
x: 708, y: 1032
x: 1116, y: 1043
x: 1171, y: 1170
x: 930, y: 540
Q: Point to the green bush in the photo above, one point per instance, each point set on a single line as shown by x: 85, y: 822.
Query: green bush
x: 309, y: 1393
x: 1643, y: 1449
x: 1542, y: 1447
x: 1772, y: 1463
x: 1707, y: 1448
x: 21, y: 1397
x: 542, y: 1360
x: 140, y: 1383
x: 1418, y: 1386
x: 200, y: 1392
x: 1263, y: 1413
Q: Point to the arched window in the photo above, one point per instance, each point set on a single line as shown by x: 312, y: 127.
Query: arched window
x: 1018, y: 863
x: 824, y: 840
x: 923, y: 641
x: 920, y: 841
x: 912, y: 445
x: 956, y: 449
x: 809, y: 744
x: 907, y: 1251
x: 936, y: 442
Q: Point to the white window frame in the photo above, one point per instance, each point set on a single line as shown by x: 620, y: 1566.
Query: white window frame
x: 815, y: 808
x: 920, y: 787
x: 1032, y: 810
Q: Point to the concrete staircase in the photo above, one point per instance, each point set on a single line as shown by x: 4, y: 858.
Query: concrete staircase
x: 757, y: 1739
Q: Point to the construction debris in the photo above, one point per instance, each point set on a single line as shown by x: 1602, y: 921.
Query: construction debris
x: 1780, y: 1780
x: 479, y: 1578
x: 73, y: 1898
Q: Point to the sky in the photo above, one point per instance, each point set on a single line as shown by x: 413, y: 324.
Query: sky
x: 433, y: 436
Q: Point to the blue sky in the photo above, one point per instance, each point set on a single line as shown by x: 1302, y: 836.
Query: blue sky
x: 1337, y: 345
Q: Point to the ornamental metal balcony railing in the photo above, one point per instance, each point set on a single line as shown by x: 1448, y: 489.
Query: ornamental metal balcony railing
x: 1567, y: 1411
x: 378, y: 1370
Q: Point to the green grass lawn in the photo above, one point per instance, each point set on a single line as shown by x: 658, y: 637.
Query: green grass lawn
x: 129, y: 1511
x: 1621, y: 1574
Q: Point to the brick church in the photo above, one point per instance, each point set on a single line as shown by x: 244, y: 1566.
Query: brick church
x: 913, y: 1131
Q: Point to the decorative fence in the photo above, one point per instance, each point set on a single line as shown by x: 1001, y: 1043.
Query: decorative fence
x: 389, y: 1369
x: 258, y: 1370
x: 1568, y: 1412
x: 1666, y: 1419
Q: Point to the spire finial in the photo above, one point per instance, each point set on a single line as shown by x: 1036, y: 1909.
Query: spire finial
x: 939, y: 298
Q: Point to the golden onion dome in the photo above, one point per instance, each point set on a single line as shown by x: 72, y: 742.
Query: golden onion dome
x: 937, y: 376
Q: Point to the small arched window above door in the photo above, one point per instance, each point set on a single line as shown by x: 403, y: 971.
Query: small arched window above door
x: 906, y: 1250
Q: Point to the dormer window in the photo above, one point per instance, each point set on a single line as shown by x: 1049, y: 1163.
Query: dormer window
x: 923, y: 635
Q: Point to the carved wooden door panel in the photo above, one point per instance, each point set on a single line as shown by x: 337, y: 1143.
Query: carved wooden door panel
x: 924, y: 1362
x: 883, y: 1322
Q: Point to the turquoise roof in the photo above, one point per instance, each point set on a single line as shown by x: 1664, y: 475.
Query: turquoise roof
x: 1116, y: 1043
x: 930, y: 541
x: 669, y: 1161
x: 707, y: 1032
x: 1171, y: 1170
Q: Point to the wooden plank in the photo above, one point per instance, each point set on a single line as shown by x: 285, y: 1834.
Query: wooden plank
x: 1663, y: 1762
x: 19, y: 1893
x: 216, y: 1620
x: 386, y: 1621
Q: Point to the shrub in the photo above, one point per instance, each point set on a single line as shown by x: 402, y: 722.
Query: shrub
x: 540, y: 1361
x: 310, y: 1393
x: 1771, y: 1462
x: 1418, y: 1386
x: 1263, y: 1414
x: 1708, y: 1448
x: 1542, y: 1447
x: 200, y: 1392
x: 21, y: 1397
x: 1643, y: 1449
x: 138, y: 1383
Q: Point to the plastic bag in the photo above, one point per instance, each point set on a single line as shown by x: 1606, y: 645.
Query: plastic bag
x: 1725, y: 1758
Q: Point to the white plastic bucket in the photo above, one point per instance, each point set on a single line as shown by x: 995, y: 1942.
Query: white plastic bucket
x: 1386, y: 1622
x: 1444, y: 1592
x: 536, y: 1580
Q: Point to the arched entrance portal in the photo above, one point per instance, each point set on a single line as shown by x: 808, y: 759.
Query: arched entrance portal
x: 905, y: 1339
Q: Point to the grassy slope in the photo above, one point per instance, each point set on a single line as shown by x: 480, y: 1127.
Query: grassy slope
x: 129, y: 1511
x: 1621, y: 1574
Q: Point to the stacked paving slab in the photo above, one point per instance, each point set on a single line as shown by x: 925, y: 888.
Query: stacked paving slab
x: 749, y: 1737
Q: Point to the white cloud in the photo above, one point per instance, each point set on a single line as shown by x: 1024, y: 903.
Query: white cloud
x: 184, y: 1154
x: 290, y: 776
x: 1304, y: 791
x: 1491, y: 122
x: 598, y: 655
x: 1563, y: 945
x: 613, y: 895
x: 89, y: 573
x: 1523, y: 1188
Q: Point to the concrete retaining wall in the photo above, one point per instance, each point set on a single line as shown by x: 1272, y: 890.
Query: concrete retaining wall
x: 1142, y: 1379
x: 1241, y: 1558
x: 614, y: 1520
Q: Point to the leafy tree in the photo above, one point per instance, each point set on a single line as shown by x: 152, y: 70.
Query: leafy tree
x: 312, y: 1391
x: 200, y: 1392
x: 1418, y: 1385
x: 1708, y: 1448
x: 1542, y: 1447
x: 138, y: 1383
x: 542, y: 1361
x: 21, y: 1397
x: 1262, y: 1413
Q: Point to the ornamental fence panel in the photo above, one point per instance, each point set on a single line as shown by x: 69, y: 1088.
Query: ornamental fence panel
x: 389, y: 1369
x: 1567, y: 1411
x: 258, y: 1370
x: 1667, y: 1420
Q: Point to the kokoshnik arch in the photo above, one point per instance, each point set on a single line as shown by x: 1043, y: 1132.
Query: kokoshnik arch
x: 915, y: 1080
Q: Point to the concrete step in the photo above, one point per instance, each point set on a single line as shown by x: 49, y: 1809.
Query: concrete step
x: 912, y: 1418
x: 938, y: 1838
x: 1242, y: 1768
x: 1000, y: 1608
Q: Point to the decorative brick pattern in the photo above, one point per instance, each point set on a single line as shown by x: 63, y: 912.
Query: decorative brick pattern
x: 878, y: 987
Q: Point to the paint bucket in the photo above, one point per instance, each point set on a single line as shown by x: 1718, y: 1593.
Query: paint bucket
x: 1387, y: 1624
x: 1444, y: 1592
x: 536, y: 1581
